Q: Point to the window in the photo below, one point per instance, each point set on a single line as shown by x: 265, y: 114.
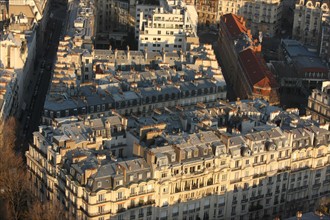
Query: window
x: 101, y: 197
x: 120, y: 195
x: 101, y: 209
x: 247, y: 162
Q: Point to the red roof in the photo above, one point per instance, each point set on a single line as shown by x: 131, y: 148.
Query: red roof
x: 235, y: 24
x: 255, y: 69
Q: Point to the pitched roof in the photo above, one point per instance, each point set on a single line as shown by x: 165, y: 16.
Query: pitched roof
x: 235, y: 24
x: 255, y: 70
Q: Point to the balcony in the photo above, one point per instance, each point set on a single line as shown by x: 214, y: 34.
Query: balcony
x: 149, y: 213
x: 121, y: 210
x: 244, y: 200
x: 121, y: 198
x: 141, y: 215
x: 316, y: 185
x: 315, y: 196
x: 269, y: 194
x: 259, y: 175
x: 236, y: 181
x: 236, y: 168
x: 255, y: 208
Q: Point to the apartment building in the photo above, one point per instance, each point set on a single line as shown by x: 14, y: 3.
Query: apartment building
x: 8, y: 93
x: 262, y: 17
x: 324, y: 50
x: 247, y: 70
x: 207, y: 12
x: 299, y: 69
x: 169, y: 27
x: 39, y: 10
x: 308, y: 17
x: 18, y: 51
x: 145, y: 7
x: 178, y: 174
x: 131, y: 81
x: 113, y: 21
x: 318, y: 104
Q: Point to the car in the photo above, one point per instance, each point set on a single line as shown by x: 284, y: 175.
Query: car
x: 49, y: 67
x: 43, y: 64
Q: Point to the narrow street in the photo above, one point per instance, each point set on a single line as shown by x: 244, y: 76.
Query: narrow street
x: 36, y: 90
x: 207, y: 36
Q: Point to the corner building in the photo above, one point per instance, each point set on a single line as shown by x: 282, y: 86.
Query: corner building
x: 205, y: 175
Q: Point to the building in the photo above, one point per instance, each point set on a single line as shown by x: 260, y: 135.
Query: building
x: 178, y: 174
x: 324, y: 50
x: 248, y: 72
x: 308, y: 17
x: 38, y: 9
x: 8, y: 93
x: 262, y: 17
x: 113, y: 22
x: 18, y: 51
x: 319, y: 105
x: 146, y: 7
x: 130, y: 81
x: 168, y: 27
x: 207, y: 11
x: 300, y: 69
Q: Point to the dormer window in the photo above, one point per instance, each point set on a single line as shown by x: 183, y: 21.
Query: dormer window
x: 99, y: 184
x: 173, y: 158
x: 189, y: 155
x: 195, y: 153
x: 205, y: 151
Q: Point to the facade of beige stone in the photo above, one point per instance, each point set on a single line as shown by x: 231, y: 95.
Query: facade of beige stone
x: 204, y: 175
x: 308, y: 17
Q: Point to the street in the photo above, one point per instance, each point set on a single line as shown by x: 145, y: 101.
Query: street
x: 210, y: 36
x: 35, y: 92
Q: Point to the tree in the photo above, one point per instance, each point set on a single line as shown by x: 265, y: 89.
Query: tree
x: 13, y: 181
x: 50, y: 210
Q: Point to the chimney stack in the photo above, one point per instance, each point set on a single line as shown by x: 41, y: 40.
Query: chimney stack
x: 116, y: 53
x: 145, y: 53
x: 163, y: 55
x: 128, y: 53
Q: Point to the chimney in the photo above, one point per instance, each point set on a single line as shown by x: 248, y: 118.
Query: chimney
x: 116, y: 53
x: 145, y: 53
x: 181, y: 55
x: 110, y: 48
x: 163, y: 55
x: 128, y: 53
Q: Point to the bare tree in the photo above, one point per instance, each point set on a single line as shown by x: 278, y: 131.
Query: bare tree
x: 50, y: 210
x: 13, y: 181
